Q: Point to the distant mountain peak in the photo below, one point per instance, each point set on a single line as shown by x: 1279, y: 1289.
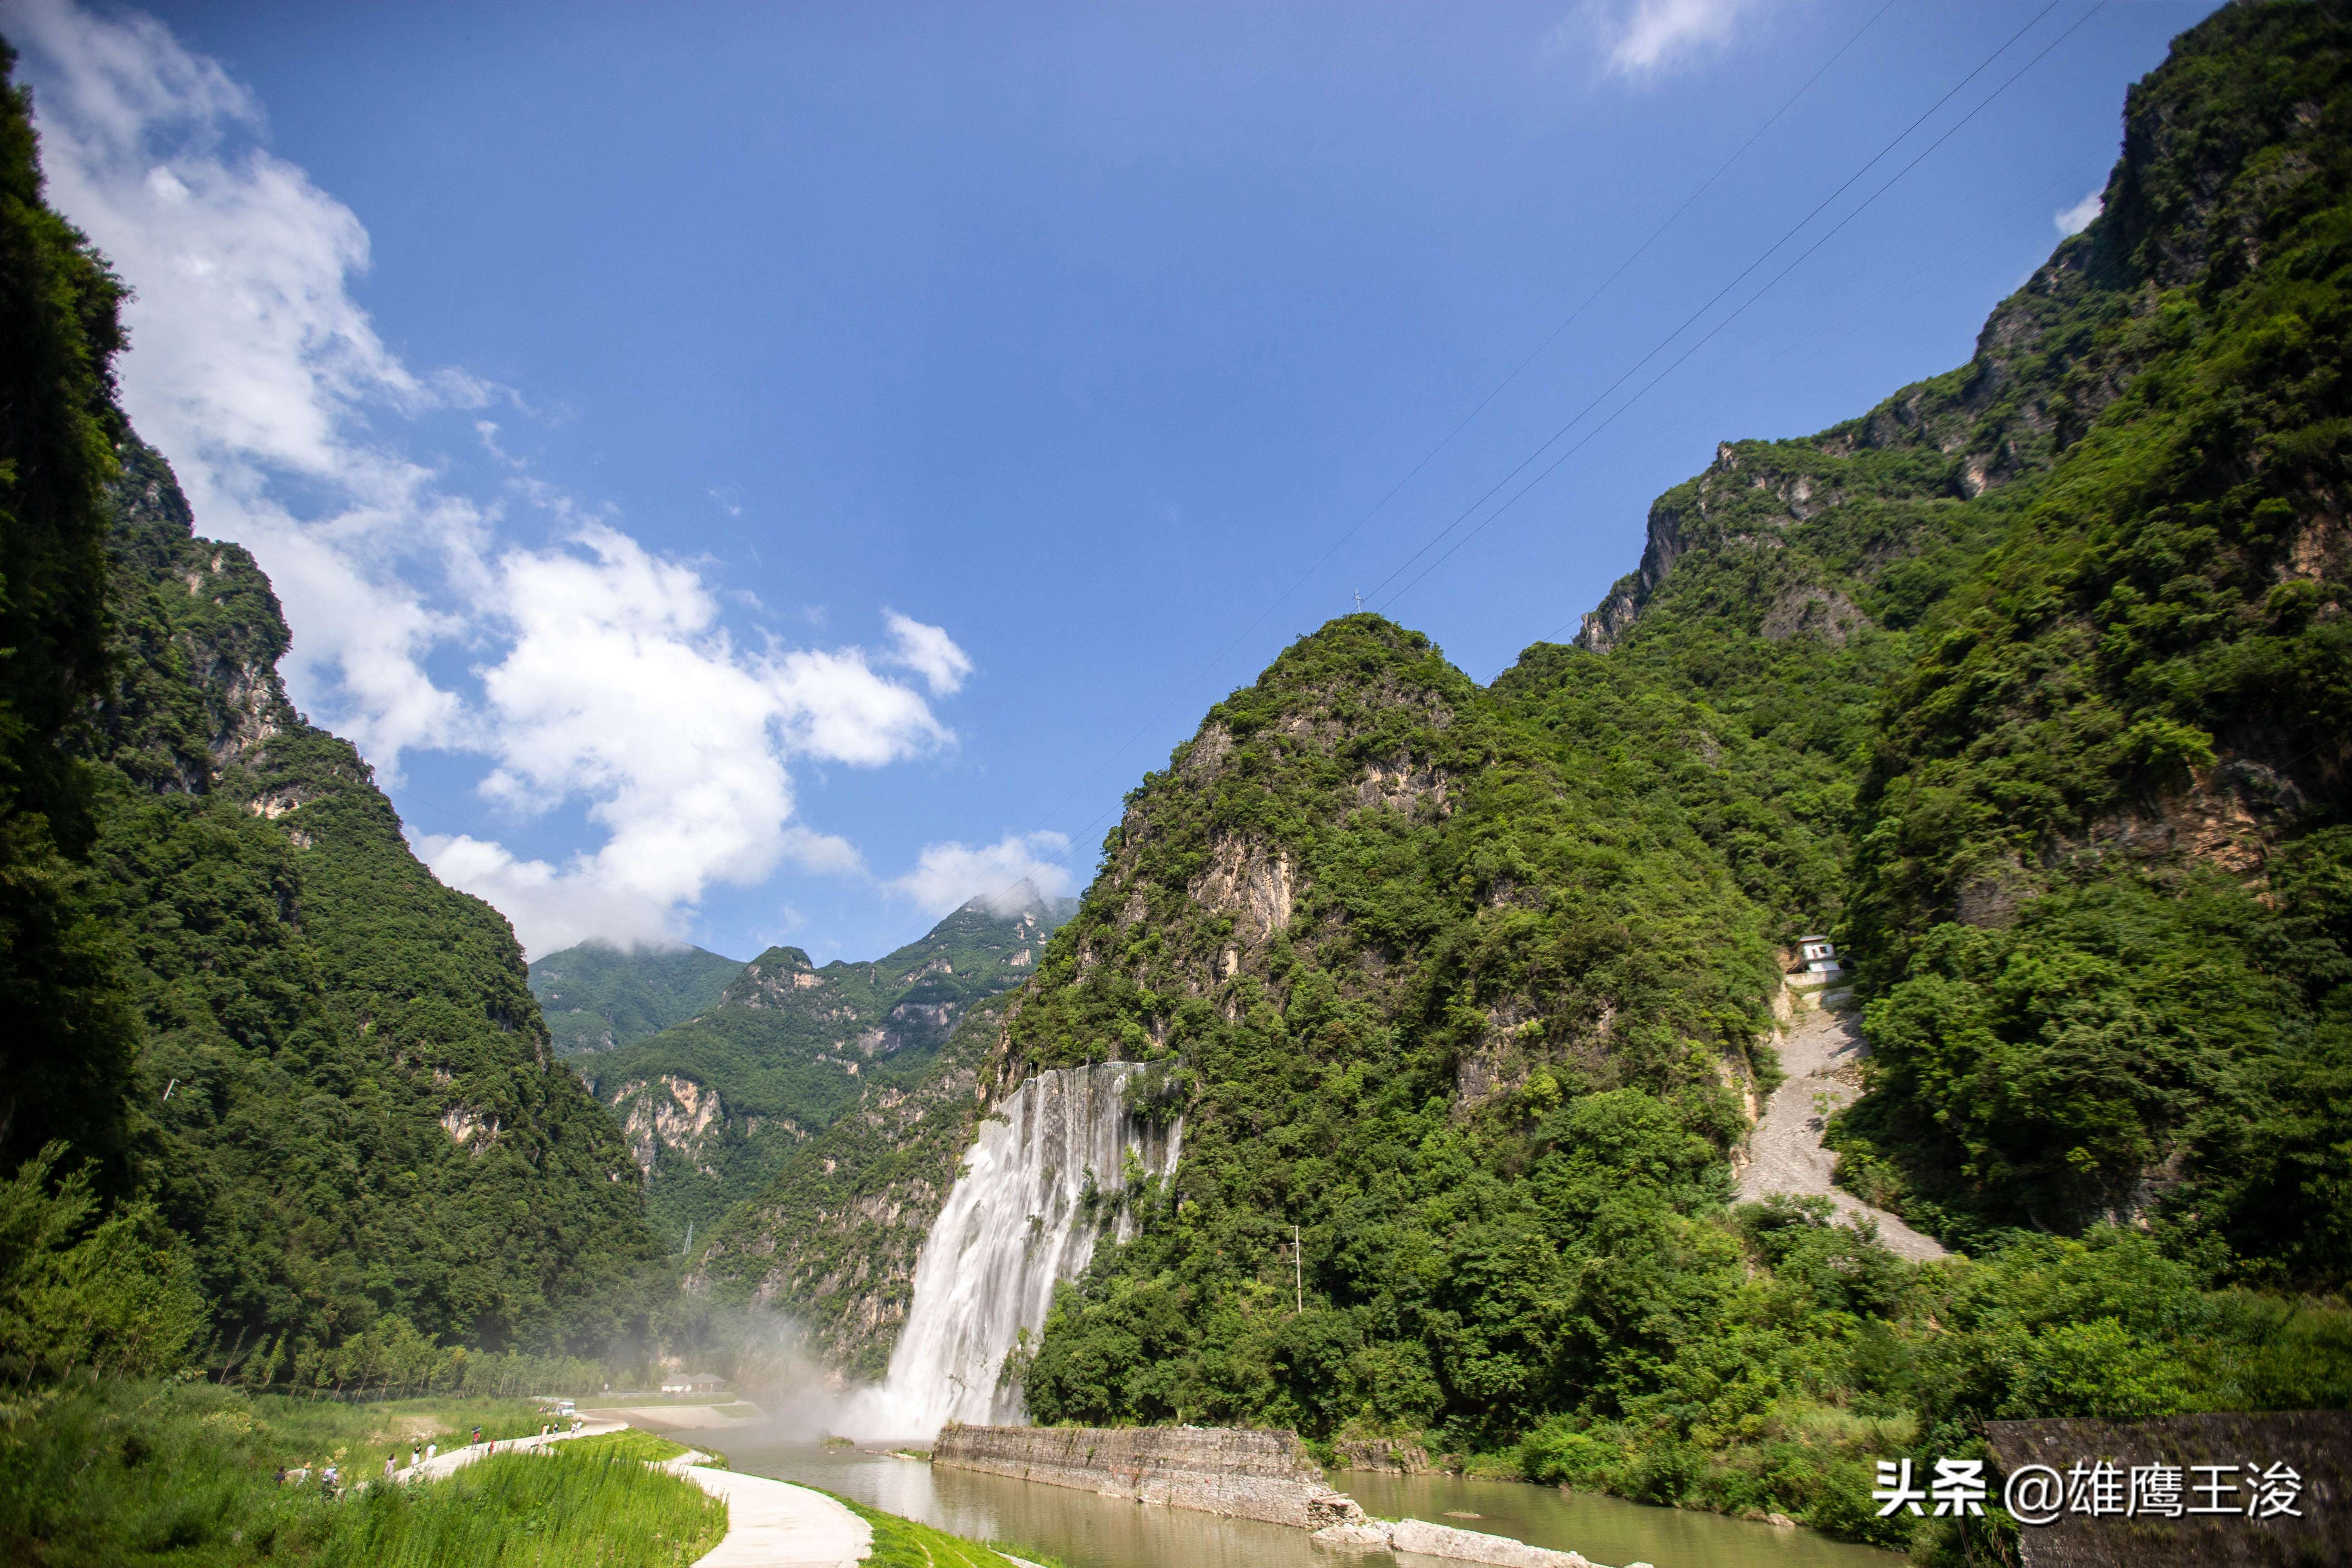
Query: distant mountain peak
x: 1023, y: 898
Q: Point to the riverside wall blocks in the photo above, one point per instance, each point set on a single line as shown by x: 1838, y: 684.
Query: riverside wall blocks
x: 1252, y: 1474
x: 1243, y: 1474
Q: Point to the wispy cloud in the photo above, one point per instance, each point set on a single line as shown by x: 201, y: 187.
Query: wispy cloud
x: 927, y: 650
x: 1006, y: 873
x: 602, y: 674
x: 1643, y: 41
x: 2074, y: 220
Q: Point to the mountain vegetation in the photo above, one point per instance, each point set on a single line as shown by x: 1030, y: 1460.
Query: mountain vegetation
x: 133, y: 1473
x: 271, y: 1088
x: 833, y: 1239
x: 596, y: 997
x: 2028, y: 683
x: 713, y: 1106
x: 349, y: 1103
x: 65, y: 1062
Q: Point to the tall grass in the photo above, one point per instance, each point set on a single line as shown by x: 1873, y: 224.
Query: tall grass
x: 122, y: 1474
x: 551, y: 1509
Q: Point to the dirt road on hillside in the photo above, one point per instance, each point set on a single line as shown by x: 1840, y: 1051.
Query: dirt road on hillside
x: 1821, y: 1054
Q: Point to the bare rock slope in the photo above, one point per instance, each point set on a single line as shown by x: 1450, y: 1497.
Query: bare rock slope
x: 1821, y: 1054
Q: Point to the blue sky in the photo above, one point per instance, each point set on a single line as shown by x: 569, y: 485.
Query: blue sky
x: 763, y: 474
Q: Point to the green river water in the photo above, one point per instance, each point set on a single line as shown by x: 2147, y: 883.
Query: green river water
x: 1090, y: 1531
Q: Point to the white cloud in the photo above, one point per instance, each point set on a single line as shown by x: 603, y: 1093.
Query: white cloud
x: 251, y: 361
x: 602, y: 674
x: 929, y: 651
x: 2074, y: 220
x: 556, y: 908
x: 1644, y: 39
x: 621, y: 687
x: 948, y: 876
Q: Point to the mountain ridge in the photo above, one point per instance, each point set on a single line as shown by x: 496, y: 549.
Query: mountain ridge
x: 285, y: 947
x: 595, y: 996
x: 711, y: 1106
x: 1476, y: 988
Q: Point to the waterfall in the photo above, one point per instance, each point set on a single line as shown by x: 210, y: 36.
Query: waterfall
x: 1018, y: 1222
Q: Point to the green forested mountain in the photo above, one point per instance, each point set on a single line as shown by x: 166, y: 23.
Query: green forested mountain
x: 2030, y: 682
x: 364, y: 1114
x: 267, y: 1084
x: 712, y: 1107
x: 833, y: 1238
x: 2055, y: 639
x: 594, y: 997
x: 65, y: 1057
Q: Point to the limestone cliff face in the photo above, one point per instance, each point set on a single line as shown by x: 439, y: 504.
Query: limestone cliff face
x: 673, y: 1113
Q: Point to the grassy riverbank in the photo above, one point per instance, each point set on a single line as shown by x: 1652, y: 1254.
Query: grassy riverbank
x: 122, y: 1474
x: 599, y: 1508
x: 907, y: 1543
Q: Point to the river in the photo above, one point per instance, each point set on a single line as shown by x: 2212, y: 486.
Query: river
x: 1090, y: 1531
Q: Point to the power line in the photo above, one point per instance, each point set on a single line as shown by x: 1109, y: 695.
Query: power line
x: 1463, y: 423
x: 1712, y: 332
x: 1566, y: 322
x: 1767, y: 254
x: 1662, y: 344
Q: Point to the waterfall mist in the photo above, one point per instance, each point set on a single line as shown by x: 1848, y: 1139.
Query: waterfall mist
x: 1045, y: 1178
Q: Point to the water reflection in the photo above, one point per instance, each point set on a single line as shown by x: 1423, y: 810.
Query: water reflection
x: 1605, y: 1529
x: 1090, y: 1532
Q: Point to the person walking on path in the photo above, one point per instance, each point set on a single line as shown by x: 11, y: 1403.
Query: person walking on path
x: 391, y: 1463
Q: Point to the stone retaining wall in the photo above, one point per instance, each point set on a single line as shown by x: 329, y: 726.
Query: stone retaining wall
x: 1243, y: 1474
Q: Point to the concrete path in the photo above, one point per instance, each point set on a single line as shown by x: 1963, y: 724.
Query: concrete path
x: 1821, y: 1054
x: 450, y: 1461
x: 675, y: 1417
x: 775, y: 1524
x: 770, y: 1524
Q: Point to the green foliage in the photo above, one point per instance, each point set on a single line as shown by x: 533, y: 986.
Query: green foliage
x: 548, y: 1508
x: 114, y: 1473
x: 2145, y: 685
x: 1483, y: 1065
x: 632, y: 1444
x: 66, y: 1054
x: 910, y: 1543
x: 363, y: 1116
x: 114, y: 1295
x: 789, y: 1048
x: 595, y: 997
